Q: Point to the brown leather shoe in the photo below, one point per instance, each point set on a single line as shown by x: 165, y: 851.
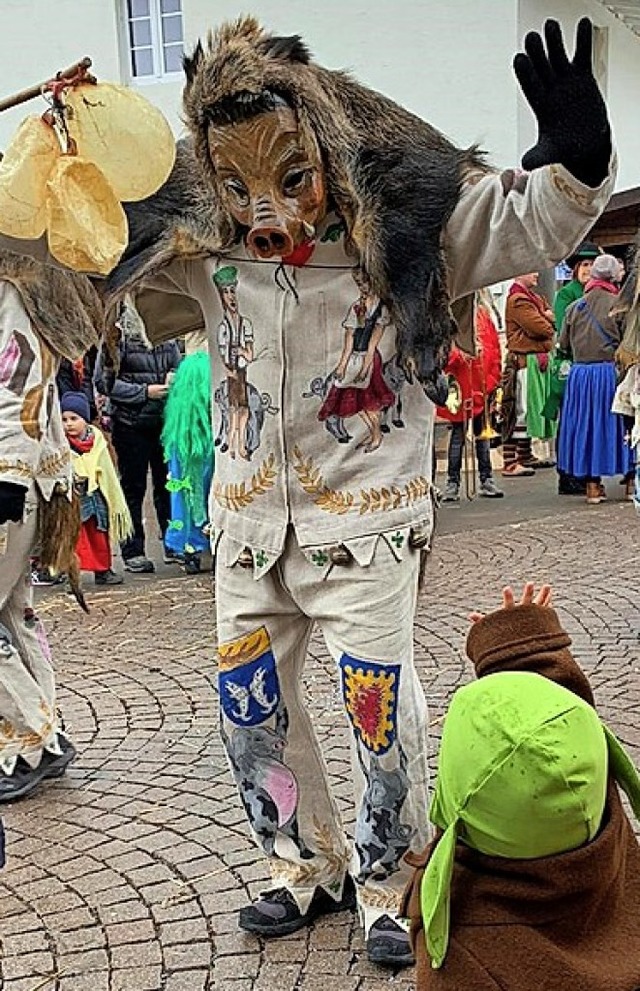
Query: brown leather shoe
x: 594, y: 495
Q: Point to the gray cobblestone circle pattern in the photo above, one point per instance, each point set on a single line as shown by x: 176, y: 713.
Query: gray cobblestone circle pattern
x: 128, y: 873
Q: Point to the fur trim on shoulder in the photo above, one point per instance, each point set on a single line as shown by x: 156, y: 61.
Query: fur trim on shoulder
x: 63, y: 306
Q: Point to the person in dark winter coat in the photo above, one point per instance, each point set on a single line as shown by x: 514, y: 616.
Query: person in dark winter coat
x: 137, y: 390
x: 533, y: 880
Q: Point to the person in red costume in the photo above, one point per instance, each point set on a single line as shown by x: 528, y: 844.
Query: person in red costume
x: 476, y: 378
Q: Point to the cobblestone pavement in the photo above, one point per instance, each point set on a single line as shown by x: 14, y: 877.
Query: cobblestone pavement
x: 127, y: 874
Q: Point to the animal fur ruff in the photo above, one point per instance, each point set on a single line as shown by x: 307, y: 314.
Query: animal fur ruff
x: 393, y: 178
x: 63, y: 306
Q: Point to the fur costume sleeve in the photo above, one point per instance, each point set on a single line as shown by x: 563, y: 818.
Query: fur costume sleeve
x: 526, y: 638
x: 511, y: 223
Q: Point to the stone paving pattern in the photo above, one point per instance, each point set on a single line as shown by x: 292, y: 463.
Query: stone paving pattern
x: 127, y: 874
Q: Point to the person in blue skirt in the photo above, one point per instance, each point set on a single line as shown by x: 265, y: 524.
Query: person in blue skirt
x: 591, y: 442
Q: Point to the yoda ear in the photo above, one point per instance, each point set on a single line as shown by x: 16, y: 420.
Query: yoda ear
x: 191, y: 63
x: 291, y: 48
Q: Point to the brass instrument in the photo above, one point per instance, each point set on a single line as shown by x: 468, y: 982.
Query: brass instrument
x: 470, y: 478
x: 487, y: 432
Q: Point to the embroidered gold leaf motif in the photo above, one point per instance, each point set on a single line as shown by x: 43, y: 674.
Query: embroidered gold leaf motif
x: 310, y: 478
x: 16, y: 468
x: 379, y: 899
x: 54, y: 463
x: 342, y: 501
x: 7, y: 730
x: 337, y: 859
x: 237, y: 495
x: 294, y: 874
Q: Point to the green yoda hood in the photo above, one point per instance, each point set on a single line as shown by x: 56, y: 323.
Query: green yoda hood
x: 523, y: 771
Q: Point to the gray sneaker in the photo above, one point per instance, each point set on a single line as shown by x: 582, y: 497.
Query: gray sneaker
x: 451, y: 491
x: 140, y: 564
x: 490, y: 490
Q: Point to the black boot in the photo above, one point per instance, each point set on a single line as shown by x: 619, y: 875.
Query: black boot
x: 571, y: 485
x: 25, y: 778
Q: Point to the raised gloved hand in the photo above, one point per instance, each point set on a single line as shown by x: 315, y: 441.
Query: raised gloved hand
x: 573, y: 125
x: 12, y: 499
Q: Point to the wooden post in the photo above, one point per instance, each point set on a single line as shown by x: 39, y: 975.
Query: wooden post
x: 33, y: 91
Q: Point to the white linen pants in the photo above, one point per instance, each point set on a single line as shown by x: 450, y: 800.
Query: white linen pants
x: 28, y: 721
x: 366, y: 617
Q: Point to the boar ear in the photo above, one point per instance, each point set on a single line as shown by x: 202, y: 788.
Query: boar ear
x: 191, y: 63
x: 292, y: 48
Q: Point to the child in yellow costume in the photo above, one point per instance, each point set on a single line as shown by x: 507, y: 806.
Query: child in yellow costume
x: 103, y: 510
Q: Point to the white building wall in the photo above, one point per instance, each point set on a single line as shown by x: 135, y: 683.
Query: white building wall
x: 39, y: 37
x: 449, y: 62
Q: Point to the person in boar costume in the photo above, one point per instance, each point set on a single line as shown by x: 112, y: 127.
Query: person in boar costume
x: 534, y: 878
x: 45, y: 314
x: 322, y: 229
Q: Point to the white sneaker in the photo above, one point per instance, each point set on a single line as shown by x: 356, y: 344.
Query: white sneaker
x: 451, y: 491
x: 490, y: 490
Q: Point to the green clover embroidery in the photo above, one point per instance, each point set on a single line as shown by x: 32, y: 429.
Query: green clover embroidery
x: 398, y: 540
x: 261, y: 559
x: 319, y: 558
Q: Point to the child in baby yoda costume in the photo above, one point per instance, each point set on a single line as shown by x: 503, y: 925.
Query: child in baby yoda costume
x: 533, y: 880
x: 322, y: 230
x: 45, y: 314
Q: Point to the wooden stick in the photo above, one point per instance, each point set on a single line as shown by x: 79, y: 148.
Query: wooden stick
x: 33, y: 91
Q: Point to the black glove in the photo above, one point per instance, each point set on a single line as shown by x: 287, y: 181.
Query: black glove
x: 573, y: 125
x: 12, y: 499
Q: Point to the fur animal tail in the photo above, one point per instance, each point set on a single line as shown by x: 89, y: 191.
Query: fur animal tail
x: 401, y: 244
x: 59, y: 529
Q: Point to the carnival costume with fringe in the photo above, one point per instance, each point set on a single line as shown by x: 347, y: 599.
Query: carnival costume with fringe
x: 44, y: 314
x: 188, y: 448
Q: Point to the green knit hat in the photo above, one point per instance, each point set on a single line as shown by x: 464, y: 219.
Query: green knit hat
x: 522, y: 774
x: 226, y: 276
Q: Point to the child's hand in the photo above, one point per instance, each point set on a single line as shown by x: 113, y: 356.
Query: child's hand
x: 528, y: 598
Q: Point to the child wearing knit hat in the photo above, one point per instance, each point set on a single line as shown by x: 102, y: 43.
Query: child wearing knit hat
x: 103, y: 510
x: 533, y: 879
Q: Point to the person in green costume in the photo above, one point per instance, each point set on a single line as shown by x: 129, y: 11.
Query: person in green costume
x: 580, y: 263
x: 533, y: 879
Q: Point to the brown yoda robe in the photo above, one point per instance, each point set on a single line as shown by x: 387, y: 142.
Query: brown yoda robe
x: 570, y: 922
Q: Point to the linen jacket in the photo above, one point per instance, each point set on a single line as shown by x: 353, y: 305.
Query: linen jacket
x: 33, y: 447
x: 321, y: 476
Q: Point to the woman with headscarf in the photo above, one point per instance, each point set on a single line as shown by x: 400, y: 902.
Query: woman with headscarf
x: 580, y: 263
x: 591, y: 442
